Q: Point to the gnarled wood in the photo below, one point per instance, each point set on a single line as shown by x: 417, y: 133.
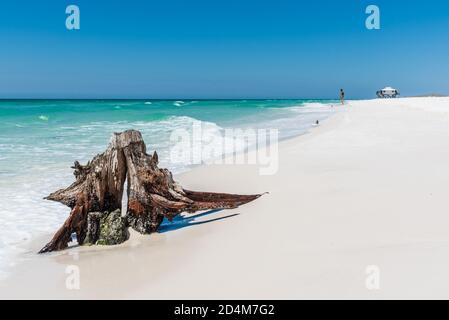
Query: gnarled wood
x: 152, y: 193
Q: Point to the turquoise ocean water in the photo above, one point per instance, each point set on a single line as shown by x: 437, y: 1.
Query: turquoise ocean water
x: 40, y: 140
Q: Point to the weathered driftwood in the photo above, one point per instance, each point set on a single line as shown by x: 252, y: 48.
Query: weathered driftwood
x: 152, y: 194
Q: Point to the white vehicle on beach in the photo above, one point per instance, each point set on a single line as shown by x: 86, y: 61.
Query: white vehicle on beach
x: 388, y: 92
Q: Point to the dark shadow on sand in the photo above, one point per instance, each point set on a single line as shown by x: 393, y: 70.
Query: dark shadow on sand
x: 180, y: 222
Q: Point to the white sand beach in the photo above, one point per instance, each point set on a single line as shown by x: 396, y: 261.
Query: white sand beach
x: 368, y: 187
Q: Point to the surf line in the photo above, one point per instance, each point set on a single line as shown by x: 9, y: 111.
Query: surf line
x: 186, y: 310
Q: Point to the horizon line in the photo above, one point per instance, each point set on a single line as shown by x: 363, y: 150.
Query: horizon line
x: 167, y: 99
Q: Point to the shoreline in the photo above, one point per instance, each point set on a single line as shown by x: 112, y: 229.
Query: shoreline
x: 366, y: 187
x: 32, y: 246
x: 15, y: 255
x: 27, y: 249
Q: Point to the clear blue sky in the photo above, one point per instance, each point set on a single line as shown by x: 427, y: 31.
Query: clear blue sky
x: 221, y: 49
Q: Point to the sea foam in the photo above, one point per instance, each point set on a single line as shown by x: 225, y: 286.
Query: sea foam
x: 35, y: 159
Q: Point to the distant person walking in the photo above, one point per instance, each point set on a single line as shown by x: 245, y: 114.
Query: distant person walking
x: 342, y: 96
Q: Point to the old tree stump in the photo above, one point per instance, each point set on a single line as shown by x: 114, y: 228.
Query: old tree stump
x: 96, y: 196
